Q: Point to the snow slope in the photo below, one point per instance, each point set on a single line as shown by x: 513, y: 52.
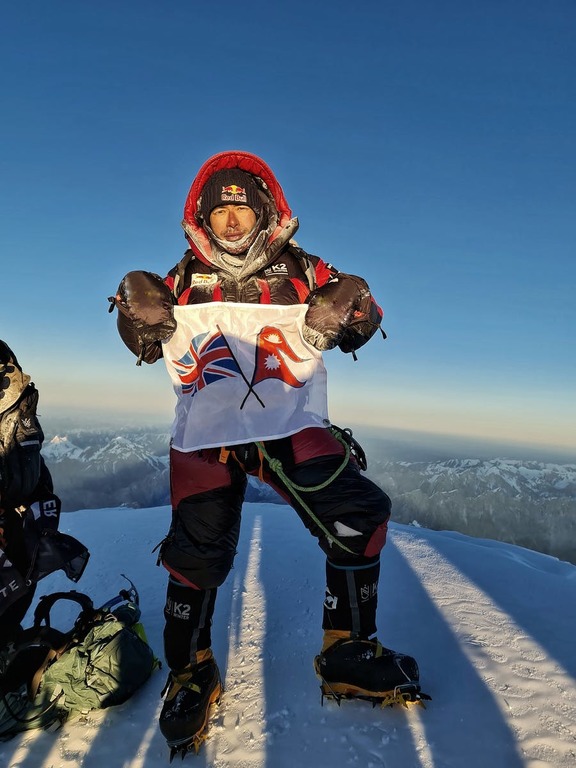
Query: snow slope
x: 492, y: 626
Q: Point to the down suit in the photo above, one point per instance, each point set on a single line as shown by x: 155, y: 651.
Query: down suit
x: 349, y: 515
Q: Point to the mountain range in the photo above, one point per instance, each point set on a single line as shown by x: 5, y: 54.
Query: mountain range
x: 528, y: 503
x: 92, y: 469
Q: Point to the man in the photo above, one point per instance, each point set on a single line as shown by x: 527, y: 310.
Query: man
x: 30, y: 545
x: 241, y: 253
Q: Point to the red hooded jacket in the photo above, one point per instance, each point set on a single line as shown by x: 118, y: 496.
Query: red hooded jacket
x: 277, y: 271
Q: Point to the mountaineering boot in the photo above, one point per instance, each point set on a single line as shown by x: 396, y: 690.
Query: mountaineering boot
x: 189, y: 695
x: 360, y: 668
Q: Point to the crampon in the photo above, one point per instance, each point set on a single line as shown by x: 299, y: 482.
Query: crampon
x: 406, y: 695
x: 190, y: 695
x: 363, y: 669
x: 193, y: 743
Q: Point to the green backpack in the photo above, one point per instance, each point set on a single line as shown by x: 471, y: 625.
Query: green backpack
x: 51, y: 675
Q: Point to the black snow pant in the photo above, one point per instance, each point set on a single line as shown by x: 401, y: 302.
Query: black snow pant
x: 207, y: 489
x: 15, y: 562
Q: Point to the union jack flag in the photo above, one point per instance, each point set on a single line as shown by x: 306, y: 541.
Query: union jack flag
x: 207, y: 360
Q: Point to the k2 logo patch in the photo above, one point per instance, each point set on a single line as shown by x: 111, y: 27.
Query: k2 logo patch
x: 277, y: 269
x: 177, y: 609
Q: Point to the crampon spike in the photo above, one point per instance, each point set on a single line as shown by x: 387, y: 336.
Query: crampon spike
x: 402, y: 695
x: 192, y: 746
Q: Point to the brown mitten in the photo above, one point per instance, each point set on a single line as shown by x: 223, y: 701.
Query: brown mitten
x: 331, y: 310
x: 146, y: 301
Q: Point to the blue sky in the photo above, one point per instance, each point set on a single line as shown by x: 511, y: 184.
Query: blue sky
x: 426, y: 146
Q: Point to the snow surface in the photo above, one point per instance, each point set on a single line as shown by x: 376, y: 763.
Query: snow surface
x: 492, y: 626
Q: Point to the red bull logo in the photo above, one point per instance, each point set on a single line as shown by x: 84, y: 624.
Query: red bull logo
x: 232, y: 193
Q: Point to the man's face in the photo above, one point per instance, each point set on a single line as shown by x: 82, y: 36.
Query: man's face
x: 232, y: 222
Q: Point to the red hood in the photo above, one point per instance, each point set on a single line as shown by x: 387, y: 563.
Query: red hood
x: 235, y: 159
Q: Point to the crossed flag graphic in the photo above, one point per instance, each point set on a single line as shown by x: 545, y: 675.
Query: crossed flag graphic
x: 210, y: 358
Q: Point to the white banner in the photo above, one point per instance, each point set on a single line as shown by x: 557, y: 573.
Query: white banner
x: 243, y: 372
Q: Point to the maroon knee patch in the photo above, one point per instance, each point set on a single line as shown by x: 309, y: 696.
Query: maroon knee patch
x: 377, y: 540
x: 196, y: 472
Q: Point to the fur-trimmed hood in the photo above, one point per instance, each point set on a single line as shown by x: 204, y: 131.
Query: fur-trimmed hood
x: 279, y: 224
x: 13, y: 380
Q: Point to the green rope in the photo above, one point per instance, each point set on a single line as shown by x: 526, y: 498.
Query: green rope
x: 276, y: 467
